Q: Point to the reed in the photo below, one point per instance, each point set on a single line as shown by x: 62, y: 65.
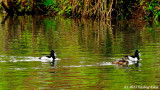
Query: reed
x: 92, y: 8
x: 104, y: 9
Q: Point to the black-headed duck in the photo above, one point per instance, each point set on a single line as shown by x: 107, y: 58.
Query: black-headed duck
x: 49, y: 58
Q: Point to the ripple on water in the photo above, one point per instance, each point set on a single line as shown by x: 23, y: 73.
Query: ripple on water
x: 22, y: 59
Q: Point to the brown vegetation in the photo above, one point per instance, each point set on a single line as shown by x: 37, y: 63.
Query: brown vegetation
x: 106, y: 9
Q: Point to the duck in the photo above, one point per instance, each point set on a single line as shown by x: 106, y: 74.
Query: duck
x: 128, y: 59
x: 122, y: 61
x: 134, y: 58
x: 49, y: 58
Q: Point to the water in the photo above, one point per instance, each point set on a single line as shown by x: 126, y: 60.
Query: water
x: 85, y: 49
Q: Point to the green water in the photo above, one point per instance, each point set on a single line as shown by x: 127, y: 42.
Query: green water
x: 84, y: 49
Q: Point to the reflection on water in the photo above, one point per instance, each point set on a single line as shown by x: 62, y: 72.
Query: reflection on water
x: 85, y: 49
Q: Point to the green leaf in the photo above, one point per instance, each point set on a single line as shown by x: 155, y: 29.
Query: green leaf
x: 150, y: 8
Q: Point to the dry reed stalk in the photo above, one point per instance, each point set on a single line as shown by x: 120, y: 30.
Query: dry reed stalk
x: 97, y: 8
x: 109, y: 12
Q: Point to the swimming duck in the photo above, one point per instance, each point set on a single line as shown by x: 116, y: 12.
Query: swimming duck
x: 133, y: 58
x: 123, y: 61
x: 128, y: 59
x: 50, y: 58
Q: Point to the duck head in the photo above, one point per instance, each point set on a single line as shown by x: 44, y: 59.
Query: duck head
x: 137, y: 54
x: 53, y: 54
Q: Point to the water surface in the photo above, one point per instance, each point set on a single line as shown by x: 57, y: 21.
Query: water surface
x: 85, y: 49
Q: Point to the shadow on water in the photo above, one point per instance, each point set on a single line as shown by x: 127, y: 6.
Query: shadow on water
x: 86, y: 48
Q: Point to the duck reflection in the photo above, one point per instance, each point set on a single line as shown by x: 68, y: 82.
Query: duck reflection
x: 137, y: 64
x: 52, y: 63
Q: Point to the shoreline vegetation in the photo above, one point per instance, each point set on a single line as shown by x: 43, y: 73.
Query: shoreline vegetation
x: 104, y: 9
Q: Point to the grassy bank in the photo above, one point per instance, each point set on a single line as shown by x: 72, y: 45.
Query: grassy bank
x: 106, y: 9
